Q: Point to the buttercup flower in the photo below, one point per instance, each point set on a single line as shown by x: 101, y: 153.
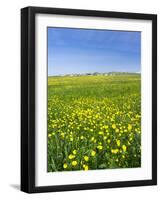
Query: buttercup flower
x: 118, y: 143
x: 113, y: 126
x: 71, y: 156
x: 86, y: 158
x: 65, y: 166
x: 100, y: 147
x: 124, y: 147
x: 74, y: 152
x: 74, y: 163
x: 93, y: 153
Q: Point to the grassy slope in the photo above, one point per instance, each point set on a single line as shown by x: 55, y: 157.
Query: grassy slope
x: 71, y: 100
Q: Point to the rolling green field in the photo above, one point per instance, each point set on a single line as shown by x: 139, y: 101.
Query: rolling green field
x: 94, y: 122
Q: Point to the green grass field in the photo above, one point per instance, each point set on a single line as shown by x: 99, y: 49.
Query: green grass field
x: 94, y: 122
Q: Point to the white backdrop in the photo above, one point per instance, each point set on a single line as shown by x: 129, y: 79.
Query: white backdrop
x: 10, y: 99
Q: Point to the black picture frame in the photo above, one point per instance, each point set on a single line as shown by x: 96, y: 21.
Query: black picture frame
x: 28, y: 98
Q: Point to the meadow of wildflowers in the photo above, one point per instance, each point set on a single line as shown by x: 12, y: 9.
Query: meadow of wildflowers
x: 94, y: 122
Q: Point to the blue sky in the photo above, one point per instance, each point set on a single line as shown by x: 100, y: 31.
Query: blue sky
x: 86, y: 50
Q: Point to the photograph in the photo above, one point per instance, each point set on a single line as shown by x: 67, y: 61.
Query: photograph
x: 93, y: 99
x: 89, y: 99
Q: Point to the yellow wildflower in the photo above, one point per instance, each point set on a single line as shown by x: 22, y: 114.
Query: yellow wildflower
x: 106, y: 126
x: 93, y: 153
x: 108, y: 140
x: 81, y: 137
x: 124, y: 147
x: 114, y: 151
x: 118, y: 143
x: 65, y: 166
x: 85, y: 167
x: 129, y: 127
x: 100, y: 147
x: 113, y: 126
x: 74, y: 152
x: 74, y: 162
x: 71, y: 156
x: 86, y: 158
x: 117, y: 130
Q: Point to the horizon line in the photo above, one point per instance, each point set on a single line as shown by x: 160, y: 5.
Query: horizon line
x: 86, y: 73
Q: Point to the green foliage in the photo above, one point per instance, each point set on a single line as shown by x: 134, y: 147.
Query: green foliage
x: 94, y: 122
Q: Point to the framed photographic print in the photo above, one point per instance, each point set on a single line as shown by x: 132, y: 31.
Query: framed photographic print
x: 88, y: 99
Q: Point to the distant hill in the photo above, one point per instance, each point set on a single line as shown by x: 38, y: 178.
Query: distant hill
x: 101, y: 74
x: 123, y: 73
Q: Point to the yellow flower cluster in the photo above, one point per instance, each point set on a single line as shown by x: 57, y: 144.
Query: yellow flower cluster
x: 92, y: 123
